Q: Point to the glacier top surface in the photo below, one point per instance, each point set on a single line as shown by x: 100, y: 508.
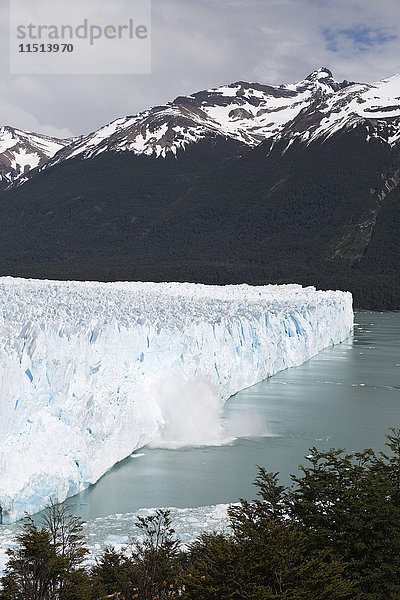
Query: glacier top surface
x: 171, y: 304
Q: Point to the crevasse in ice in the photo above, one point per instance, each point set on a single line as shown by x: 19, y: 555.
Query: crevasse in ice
x: 92, y: 371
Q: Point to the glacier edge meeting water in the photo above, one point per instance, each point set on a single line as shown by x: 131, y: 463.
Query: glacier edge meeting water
x: 92, y: 371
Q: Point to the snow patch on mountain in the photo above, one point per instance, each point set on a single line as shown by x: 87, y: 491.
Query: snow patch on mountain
x: 21, y: 151
x: 92, y: 371
x: 375, y: 105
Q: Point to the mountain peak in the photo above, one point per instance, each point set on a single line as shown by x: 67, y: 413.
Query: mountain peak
x: 321, y: 73
x: 323, y: 83
x: 22, y: 151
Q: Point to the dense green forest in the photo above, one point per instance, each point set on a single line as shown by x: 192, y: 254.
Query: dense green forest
x: 333, y: 534
x: 325, y: 214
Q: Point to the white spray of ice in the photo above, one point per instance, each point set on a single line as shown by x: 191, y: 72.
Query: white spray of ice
x: 191, y: 414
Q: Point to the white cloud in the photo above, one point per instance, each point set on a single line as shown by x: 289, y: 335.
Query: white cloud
x: 203, y: 43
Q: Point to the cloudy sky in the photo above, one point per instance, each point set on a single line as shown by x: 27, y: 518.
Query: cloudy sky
x: 197, y: 44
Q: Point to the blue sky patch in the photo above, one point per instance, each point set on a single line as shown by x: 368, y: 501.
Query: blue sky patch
x: 363, y: 38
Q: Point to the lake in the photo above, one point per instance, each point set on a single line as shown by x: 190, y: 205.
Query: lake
x: 348, y: 396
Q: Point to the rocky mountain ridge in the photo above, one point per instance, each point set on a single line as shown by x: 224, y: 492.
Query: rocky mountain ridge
x: 248, y: 113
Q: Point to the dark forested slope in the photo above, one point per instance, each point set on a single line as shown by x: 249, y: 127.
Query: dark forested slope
x: 325, y: 214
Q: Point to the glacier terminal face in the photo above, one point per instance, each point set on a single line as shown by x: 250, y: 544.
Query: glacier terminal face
x: 92, y: 371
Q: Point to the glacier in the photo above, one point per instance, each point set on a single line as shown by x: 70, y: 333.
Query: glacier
x: 91, y: 371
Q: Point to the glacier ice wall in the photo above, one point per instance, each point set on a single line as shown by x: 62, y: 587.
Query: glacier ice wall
x: 90, y: 372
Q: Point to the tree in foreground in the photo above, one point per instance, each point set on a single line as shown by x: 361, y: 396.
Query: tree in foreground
x: 113, y: 573
x: 334, y: 534
x: 349, y: 503
x: 45, y: 563
x: 155, y: 555
x: 149, y: 568
x: 262, y: 560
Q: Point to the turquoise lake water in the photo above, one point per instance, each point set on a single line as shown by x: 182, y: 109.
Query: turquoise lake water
x: 348, y: 396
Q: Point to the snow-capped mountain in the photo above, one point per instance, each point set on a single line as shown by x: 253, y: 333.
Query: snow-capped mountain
x: 375, y: 105
x: 246, y: 112
x: 245, y: 182
x: 21, y: 151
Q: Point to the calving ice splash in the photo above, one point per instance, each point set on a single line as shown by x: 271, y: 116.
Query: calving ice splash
x: 92, y: 371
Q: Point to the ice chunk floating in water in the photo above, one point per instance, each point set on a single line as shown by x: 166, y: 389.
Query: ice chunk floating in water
x: 92, y: 371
